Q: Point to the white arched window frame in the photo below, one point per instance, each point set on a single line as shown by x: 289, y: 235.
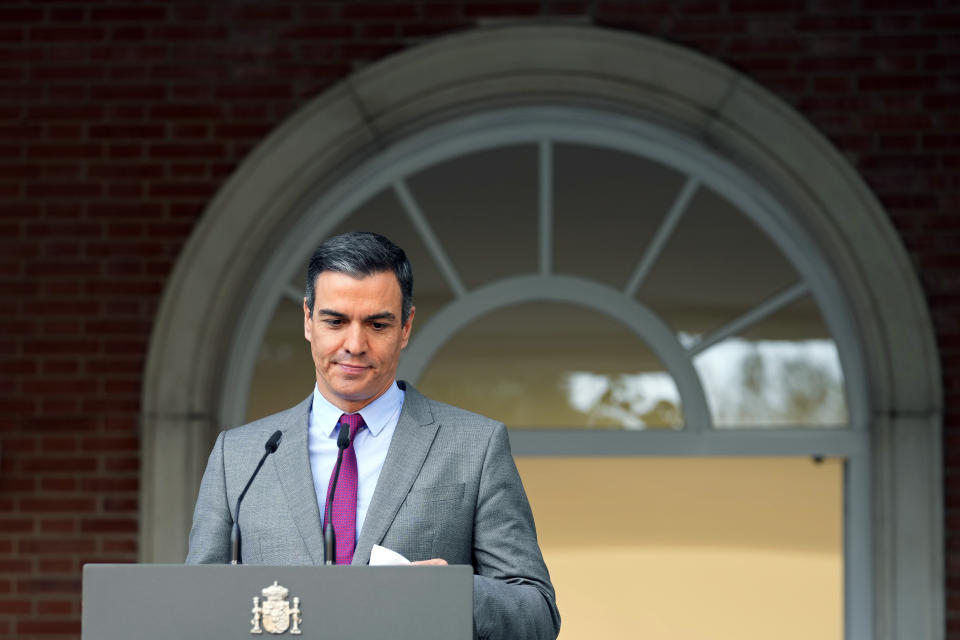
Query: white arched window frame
x: 182, y: 405
x: 545, y: 127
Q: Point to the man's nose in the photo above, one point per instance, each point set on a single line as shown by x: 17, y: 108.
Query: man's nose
x: 355, y: 342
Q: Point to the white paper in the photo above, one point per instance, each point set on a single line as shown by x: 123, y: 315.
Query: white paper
x: 381, y: 556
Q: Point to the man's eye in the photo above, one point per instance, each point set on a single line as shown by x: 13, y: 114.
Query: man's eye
x: 333, y: 322
x: 379, y: 326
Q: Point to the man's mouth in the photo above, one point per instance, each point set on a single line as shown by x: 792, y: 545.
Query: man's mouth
x: 352, y: 368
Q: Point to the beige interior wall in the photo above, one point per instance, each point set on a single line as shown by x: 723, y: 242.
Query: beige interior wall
x: 692, y: 549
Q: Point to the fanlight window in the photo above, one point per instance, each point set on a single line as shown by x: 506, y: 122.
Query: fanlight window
x: 735, y: 307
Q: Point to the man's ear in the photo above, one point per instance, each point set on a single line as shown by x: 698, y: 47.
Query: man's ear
x: 407, y: 327
x: 307, y: 321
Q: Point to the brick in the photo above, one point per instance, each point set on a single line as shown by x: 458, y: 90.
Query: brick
x: 67, y: 14
x: 120, y: 546
x: 103, y: 444
x: 59, y: 445
x: 202, y: 190
x: 10, y: 15
x: 319, y: 32
x: 64, y: 465
x: 186, y: 150
x: 108, y: 525
x: 15, y: 525
x: 54, y: 505
x: 48, y: 627
x: 58, y: 484
x: 48, y: 585
x: 398, y: 10
x: 16, y: 566
x: 120, y: 505
x: 113, y: 484
x: 134, y: 131
x: 13, y: 484
x: 128, y: 34
x: 19, y: 367
x: 85, y: 112
x: 263, y: 13
x: 59, y: 546
x: 58, y: 525
x: 67, y: 34
x: 73, y: 73
x: 899, y: 43
x: 60, y: 151
x: 897, y: 83
x: 131, y: 13
x: 17, y: 607
x: 130, y: 92
x: 249, y: 91
x: 121, y: 386
x: 121, y: 464
x: 55, y: 607
x: 186, y: 111
x: 17, y: 406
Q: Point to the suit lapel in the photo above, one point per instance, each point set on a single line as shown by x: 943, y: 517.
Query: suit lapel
x: 411, y: 442
x: 292, y: 464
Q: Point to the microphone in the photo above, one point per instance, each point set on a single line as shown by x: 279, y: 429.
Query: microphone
x: 329, y: 539
x: 271, y: 446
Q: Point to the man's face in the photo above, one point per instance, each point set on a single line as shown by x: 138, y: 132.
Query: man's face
x: 355, y: 336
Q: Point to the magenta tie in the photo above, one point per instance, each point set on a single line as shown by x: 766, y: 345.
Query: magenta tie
x: 344, y: 507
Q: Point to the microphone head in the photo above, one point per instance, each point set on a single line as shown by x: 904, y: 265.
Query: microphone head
x: 343, y: 438
x: 273, y: 442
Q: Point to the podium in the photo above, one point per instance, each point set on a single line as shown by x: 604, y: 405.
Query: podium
x: 216, y: 602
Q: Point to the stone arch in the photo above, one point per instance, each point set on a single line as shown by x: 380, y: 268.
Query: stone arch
x: 310, y: 153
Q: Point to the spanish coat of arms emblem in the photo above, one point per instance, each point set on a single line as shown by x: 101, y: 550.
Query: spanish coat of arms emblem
x: 275, y: 615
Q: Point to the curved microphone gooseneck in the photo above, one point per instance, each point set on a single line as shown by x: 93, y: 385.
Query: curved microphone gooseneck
x: 271, y: 446
x: 329, y: 538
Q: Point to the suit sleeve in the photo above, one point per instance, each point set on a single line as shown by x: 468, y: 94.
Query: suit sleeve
x: 513, y: 598
x: 212, y: 518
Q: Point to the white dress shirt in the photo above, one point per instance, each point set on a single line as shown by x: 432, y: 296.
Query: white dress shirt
x: 370, y: 444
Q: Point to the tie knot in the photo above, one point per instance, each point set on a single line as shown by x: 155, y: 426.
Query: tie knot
x: 354, y: 421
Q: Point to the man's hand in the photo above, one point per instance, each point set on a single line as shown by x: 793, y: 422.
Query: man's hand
x: 438, y: 562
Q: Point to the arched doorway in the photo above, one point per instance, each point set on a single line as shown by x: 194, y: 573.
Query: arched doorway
x: 324, y: 154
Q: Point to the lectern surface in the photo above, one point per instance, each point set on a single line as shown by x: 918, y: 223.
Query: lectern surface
x: 213, y: 602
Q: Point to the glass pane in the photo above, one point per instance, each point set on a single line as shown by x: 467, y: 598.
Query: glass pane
x: 784, y: 371
x: 688, y: 549
x: 607, y: 207
x: 716, y: 266
x: 554, y: 365
x: 284, y: 373
x: 483, y: 208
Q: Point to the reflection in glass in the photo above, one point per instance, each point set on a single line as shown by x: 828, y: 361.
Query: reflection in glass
x: 631, y: 400
x: 554, y: 365
x: 783, y: 371
x: 773, y: 383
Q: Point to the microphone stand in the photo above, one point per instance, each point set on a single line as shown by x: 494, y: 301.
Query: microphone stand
x: 271, y: 445
x: 329, y: 538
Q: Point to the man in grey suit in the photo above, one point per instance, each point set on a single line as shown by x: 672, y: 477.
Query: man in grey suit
x: 433, y: 482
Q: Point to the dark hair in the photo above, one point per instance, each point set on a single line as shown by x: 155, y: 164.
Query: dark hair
x: 360, y: 254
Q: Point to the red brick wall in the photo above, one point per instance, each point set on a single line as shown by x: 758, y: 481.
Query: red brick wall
x: 118, y: 122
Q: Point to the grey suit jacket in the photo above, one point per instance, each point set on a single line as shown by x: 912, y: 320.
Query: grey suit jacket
x: 448, y: 489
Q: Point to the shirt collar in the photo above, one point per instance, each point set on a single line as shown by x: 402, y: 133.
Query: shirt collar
x: 375, y: 415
